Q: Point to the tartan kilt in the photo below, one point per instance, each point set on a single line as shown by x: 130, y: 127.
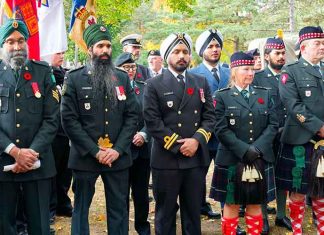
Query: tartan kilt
x: 218, y: 189
x: 285, y: 164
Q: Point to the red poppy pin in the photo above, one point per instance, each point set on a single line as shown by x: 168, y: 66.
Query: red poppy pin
x: 27, y: 76
x: 284, y: 78
x: 214, y: 103
x: 139, y: 75
x: 261, y: 101
x: 190, y: 91
x: 137, y: 90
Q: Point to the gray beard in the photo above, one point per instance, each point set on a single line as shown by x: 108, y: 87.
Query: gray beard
x: 15, y: 59
x: 102, y: 72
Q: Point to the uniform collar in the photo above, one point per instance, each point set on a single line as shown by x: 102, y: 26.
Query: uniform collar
x: 210, y: 67
x: 175, y: 74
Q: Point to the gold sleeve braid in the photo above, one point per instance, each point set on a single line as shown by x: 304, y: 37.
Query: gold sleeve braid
x: 206, y: 134
x: 170, y: 140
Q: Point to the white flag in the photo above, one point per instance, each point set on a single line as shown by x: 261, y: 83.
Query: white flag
x: 52, y: 29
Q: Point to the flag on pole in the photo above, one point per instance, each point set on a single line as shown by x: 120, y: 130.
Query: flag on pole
x: 82, y: 15
x: 52, y: 28
x: 26, y: 11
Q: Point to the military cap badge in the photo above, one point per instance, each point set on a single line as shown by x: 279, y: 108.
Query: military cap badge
x: 103, y: 29
x: 15, y: 24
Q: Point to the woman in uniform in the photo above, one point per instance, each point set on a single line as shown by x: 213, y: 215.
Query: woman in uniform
x: 246, y: 126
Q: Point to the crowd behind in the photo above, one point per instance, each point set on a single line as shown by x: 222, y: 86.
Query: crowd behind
x: 262, y: 129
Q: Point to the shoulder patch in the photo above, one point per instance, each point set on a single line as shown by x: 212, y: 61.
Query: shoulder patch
x: 261, y: 87
x: 74, y: 70
x: 224, y: 89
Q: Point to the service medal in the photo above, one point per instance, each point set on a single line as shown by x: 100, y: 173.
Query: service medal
x: 36, y: 91
x: 120, y: 93
x: 202, y: 95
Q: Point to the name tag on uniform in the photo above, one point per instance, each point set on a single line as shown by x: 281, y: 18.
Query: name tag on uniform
x: 308, y: 93
x: 168, y: 93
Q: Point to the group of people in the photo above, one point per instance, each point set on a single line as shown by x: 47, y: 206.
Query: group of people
x: 124, y: 122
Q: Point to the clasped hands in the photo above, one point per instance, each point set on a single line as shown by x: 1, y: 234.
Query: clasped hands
x: 189, y: 146
x: 25, y: 159
x: 107, y: 156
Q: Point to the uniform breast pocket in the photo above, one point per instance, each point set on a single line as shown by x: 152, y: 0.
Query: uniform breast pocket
x: 87, y: 104
x: 34, y: 104
x: 4, y: 99
x: 263, y: 117
x: 308, y: 89
x: 233, y: 118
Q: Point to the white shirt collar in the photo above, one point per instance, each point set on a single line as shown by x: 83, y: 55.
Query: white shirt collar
x: 210, y: 67
x: 240, y: 89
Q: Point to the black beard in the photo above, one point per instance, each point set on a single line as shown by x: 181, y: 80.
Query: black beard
x: 16, y: 59
x: 102, y: 72
x: 179, y: 68
x: 276, y: 66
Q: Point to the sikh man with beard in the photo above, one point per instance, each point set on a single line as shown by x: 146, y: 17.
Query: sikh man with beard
x: 179, y: 115
x: 99, y: 115
x: 275, y: 56
x: 209, y: 46
x: 29, y: 118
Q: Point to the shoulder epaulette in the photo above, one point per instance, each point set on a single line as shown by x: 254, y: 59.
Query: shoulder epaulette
x: 141, y: 82
x: 121, y: 70
x: 44, y: 63
x: 76, y: 69
x: 224, y: 89
x: 259, y: 71
x: 261, y: 87
x: 292, y: 63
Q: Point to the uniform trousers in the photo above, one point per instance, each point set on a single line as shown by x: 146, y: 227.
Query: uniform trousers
x: 116, y: 192
x: 36, y: 196
x: 167, y: 186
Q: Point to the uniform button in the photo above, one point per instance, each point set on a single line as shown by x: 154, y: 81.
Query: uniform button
x: 18, y: 94
x: 285, y: 109
x: 179, y: 125
x: 232, y: 114
x: 106, y: 135
x: 196, y: 124
x: 17, y: 125
x: 106, y: 97
x: 106, y: 110
x: 285, y: 116
x: 106, y: 122
x: 251, y: 138
x: 86, y: 96
x: 17, y: 140
x: 251, y: 131
x: 195, y: 111
x: 18, y: 110
x: 179, y: 112
x: 265, y: 112
x: 251, y: 123
x: 250, y: 114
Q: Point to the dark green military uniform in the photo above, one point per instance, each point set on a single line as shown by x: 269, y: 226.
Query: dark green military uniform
x: 302, y: 92
x: 88, y: 116
x: 28, y: 122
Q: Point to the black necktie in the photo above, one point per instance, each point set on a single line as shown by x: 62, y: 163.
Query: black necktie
x: 214, y: 72
x: 318, y: 68
x: 181, y: 80
x: 245, y: 95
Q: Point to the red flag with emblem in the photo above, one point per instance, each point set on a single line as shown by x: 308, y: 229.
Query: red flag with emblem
x: 26, y: 11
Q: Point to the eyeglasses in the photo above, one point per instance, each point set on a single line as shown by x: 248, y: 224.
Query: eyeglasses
x: 129, y: 67
x: 12, y: 42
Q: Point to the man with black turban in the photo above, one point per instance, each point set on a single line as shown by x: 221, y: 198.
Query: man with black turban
x: 99, y: 115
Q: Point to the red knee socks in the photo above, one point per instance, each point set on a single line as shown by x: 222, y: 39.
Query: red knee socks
x: 318, y: 208
x: 229, y: 225
x: 297, y: 211
x: 254, y: 224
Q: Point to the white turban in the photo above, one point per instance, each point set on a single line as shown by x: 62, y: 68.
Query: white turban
x: 205, y: 38
x: 172, y: 41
